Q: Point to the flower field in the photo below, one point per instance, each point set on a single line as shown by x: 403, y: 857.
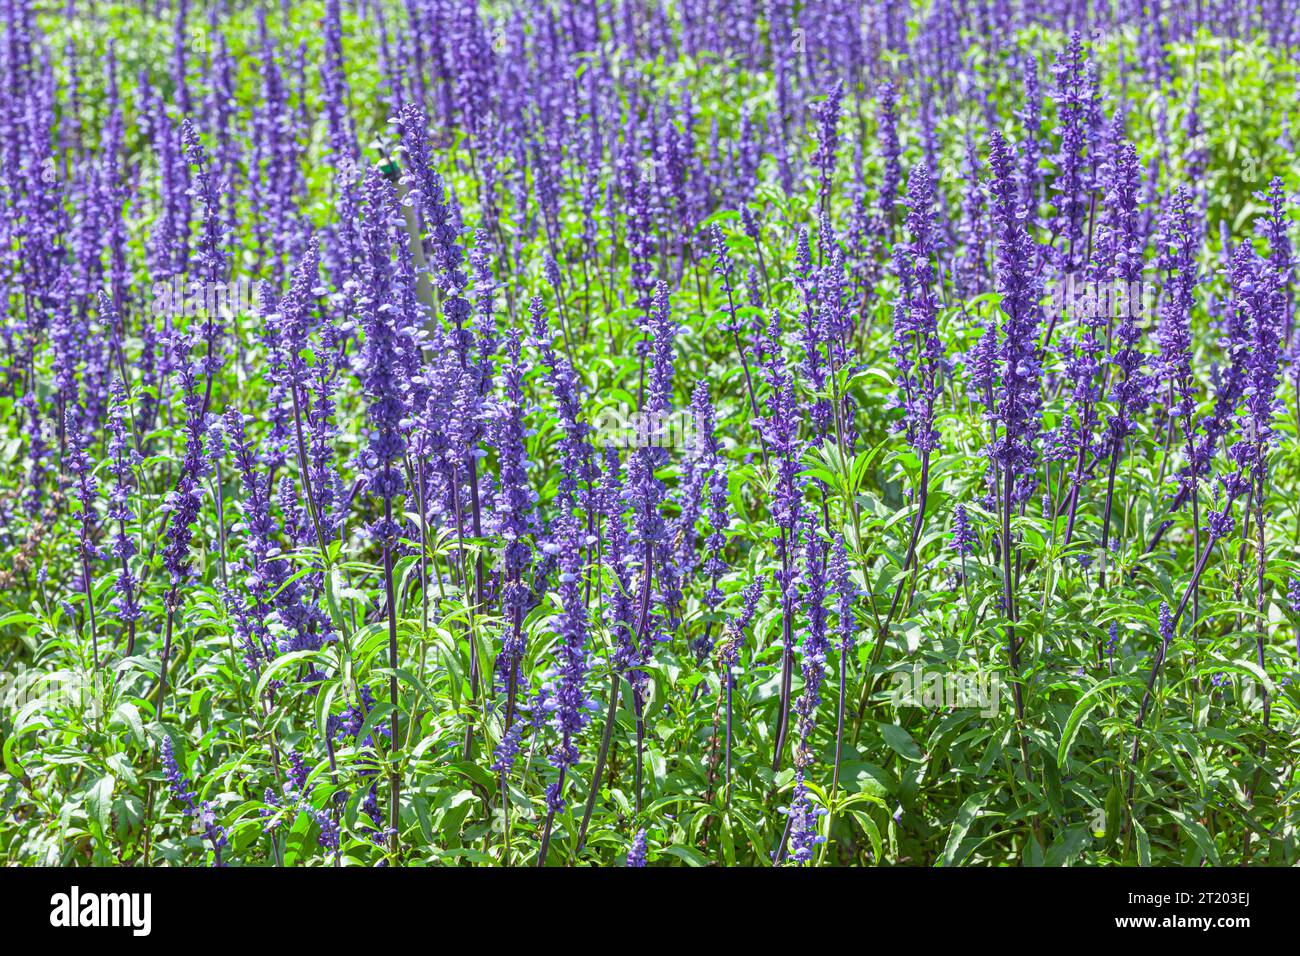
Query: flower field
x: 614, y: 433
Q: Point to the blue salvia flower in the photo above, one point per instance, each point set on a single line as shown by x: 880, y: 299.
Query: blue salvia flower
x: 86, y: 488
x: 176, y: 781
x: 297, y: 527
x: 835, y: 319
x: 269, y: 575
x: 37, y: 453
x: 292, y: 323
x: 645, y: 491
x: 77, y: 463
x: 169, y: 238
x: 750, y: 224
x: 296, y: 794
x: 1018, y: 397
x: 380, y: 375
x: 209, y: 258
x: 1083, y: 366
x: 1273, y: 319
x: 814, y: 646
x: 258, y: 527
x: 1120, y: 258
x: 515, y: 512
x: 436, y: 208
x: 1165, y: 621
x: 486, y: 339
x: 982, y: 361
x: 846, y: 591
x: 659, y: 396
x: 250, y: 631
x: 1019, y: 354
x: 1273, y: 227
x: 1178, y: 239
x: 1219, y: 523
x: 1073, y: 103
x: 328, y: 837
x: 916, y: 349
x: 729, y: 650
x: 185, y: 499
x: 1030, y: 116
x: 811, y: 337
x: 572, y: 706
x: 781, y: 431
x: 204, y: 813
x: 279, y: 406
x: 123, y: 459
x: 1230, y: 381
x: 566, y: 389
x: 719, y: 518
x: 1258, y: 307
x: 723, y: 267
x: 971, y: 271
x: 621, y: 614
x: 507, y: 750
x: 641, y: 243
x: 803, y: 817
x: 964, y: 538
x: 890, y: 151
x: 326, y: 478
x: 636, y: 853
x: 828, y: 140
x: 804, y: 837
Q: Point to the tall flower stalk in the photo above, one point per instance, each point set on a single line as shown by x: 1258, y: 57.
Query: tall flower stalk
x: 917, y: 351
x: 571, y: 704
x: 77, y: 464
x: 123, y: 461
x: 1016, y: 410
x: 382, y: 384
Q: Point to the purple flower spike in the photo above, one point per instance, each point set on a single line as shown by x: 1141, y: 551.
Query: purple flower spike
x: 964, y: 538
x: 636, y: 852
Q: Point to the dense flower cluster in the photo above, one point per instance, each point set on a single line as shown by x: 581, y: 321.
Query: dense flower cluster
x: 542, y: 434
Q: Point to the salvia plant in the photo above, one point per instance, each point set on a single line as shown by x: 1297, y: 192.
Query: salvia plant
x: 636, y: 434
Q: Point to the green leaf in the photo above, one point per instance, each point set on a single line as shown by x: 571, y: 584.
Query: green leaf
x: 961, y: 825
x: 1082, y: 708
x: 99, y: 803
x: 128, y: 715
x: 1115, y: 814
x: 1200, y: 836
x: 873, y: 833
x: 686, y: 854
x: 1143, y: 844
x: 1068, y: 846
x: 278, y: 665
x: 901, y: 742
